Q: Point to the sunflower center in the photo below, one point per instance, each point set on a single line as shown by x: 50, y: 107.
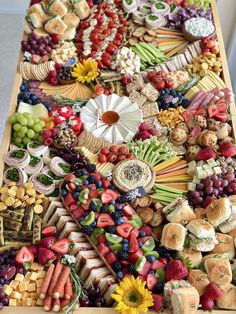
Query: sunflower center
x: 110, y: 117
x: 132, y: 298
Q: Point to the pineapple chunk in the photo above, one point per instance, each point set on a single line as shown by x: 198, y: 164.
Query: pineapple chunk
x: 19, y: 303
x: 34, y: 266
x: 33, y: 295
x: 41, y: 274
x: 19, y: 277
x: 12, y: 302
x: 32, y: 287
x: 14, y: 284
x: 7, y: 290
x: 28, y: 275
x: 26, y: 281
x: 16, y: 295
x: 33, y: 302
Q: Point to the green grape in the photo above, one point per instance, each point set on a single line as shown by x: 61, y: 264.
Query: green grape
x: 23, y: 121
x: 12, y: 119
x: 21, y: 135
x: 26, y: 140
x: 30, y: 133
x: 37, y: 128
x: 18, y: 140
x: 40, y: 139
x: 23, y: 130
x: 16, y: 127
x: 36, y: 120
x: 27, y: 115
x: 30, y: 122
x: 42, y: 123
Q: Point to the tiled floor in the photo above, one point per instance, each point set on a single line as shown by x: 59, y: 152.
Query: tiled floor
x: 10, y: 36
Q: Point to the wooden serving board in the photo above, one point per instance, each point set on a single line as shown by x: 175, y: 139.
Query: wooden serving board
x: 7, y: 138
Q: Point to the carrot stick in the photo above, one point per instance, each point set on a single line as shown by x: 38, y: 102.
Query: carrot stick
x: 46, y: 283
x: 55, y: 276
x: 179, y: 186
x: 178, y: 163
x: 47, y: 303
x: 172, y: 173
x: 59, y: 287
x: 56, y: 305
x: 68, y: 289
x: 64, y: 304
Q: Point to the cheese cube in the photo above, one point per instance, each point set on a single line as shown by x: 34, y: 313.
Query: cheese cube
x: 211, y: 162
x: 209, y: 172
x: 217, y: 170
x: 39, y: 282
x: 23, y: 287
x: 24, y: 295
x: 38, y: 290
x: 19, y: 277
x: 200, y: 163
x: 196, y: 180
x: 26, y: 281
x: 31, y: 287
x: 19, y: 303
x: 7, y: 290
x: 191, y: 186
x: 28, y: 275
x: 40, y: 267
x: 27, y: 302
x: 33, y: 295
x: 14, y: 284
x: 39, y: 302
x: 33, y: 302
x: 12, y: 302
x: 16, y: 295
x: 34, y: 266
x: 33, y: 276
x: 41, y: 274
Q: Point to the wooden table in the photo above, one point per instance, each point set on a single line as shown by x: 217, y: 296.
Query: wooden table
x: 7, y: 138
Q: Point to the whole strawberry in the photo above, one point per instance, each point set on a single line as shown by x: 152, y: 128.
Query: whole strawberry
x: 213, y: 292
x: 176, y: 270
x: 207, y: 304
x: 158, y: 302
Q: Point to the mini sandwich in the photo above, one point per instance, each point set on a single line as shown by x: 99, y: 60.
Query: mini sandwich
x: 40, y: 32
x: 173, y: 236
x: 56, y: 7
x: 55, y: 25
x: 219, y: 270
x: 82, y: 256
x: 202, y: 237
x: 179, y: 211
x: 230, y: 223
x: 225, y: 245
x: 228, y: 299
x: 32, y: 22
x: 77, y: 237
x: 181, y: 297
x: 107, y: 295
x: 37, y: 8
x: 199, y: 280
x: 57, y: 214
x: 82, y: 246
x: 62, y: 221
x: 89, y: 265
x: 105, y: 282
x: 51, y: 210
x: 71, y: 20
x: 68, y: 227
x: 195, y: 257
x: 69, y: 34
x: 95, y: 276
x: 81, y: 8
x: 219, y: 211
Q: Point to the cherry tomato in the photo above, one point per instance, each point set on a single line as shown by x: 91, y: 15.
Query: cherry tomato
x: 92, y: 55
x: 100, y: 65
x: 122, y: 29
x: 79, y: 52
x: 117, y: 42
x: 119, y: 36
x: 169, y: 84
x: 95, y: 37
x: 111, y: 25
x: 110, y: 14
x: 84, y: 24
x: 106, y: 55
x: 53, y: 112
x: 99, y: 6
x: 95, y: 47
x: 111, y: 48
x: 100, y: 20
x: 160, y: 85
x: 151, y: 76
x: 80, y: 46
x: 106, y: 32
x: 107, y: 6
x: 106, y: 62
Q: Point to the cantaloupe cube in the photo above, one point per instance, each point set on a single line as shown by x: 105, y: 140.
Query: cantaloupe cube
x: 28, y: 275
x: 34, y: 266
x: 19, y: 303
x: 12, y: 302
x: 19, y: 277
x: 7, y: 290
x: 33, y: 295
x: 33, y: 302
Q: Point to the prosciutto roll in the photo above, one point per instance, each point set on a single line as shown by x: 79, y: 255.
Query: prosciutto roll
x: 48, y: 155
x: 57, y: 179
x: 15, y: 174
x: 59, y: 166
x: 35, y: 165
x: 42, y: 183
x: 19, y: 158
x: 36, y: 149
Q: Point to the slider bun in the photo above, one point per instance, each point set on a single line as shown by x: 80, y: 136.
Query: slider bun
x: 227, y: 226
x: 228, y: 299
x: 182, y: 214
x: 57, y: 8
x: 69, y: 34
x: 218, y: 211
x: 194, y: 256
x: 201, y: 228
x: 71, y: 19
x: 40, y: 32
x: 173, y: 236
x: 185, y: 300
x: 36, y: 19
x: 232, y: 233
x: 219, y: 270
x: 225, y: 245
x: 200, y: 213
x: 26, y: 27
x: 199, y: 280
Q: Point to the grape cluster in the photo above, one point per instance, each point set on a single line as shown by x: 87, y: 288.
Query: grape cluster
x: 92, y: 298
x: 170, y: 98
x: 65, y: 73
x: 77, y: 160
x: 26, y: 128
x: 26, y: 96
x: 213, y: 187
x: 40, y: 45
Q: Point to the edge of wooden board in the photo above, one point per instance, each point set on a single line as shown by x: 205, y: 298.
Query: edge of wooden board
x: 6, y: 141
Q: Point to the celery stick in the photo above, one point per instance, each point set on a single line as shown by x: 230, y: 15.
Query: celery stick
x: 141, y: 51
x: 164, y: 198
x: 154, y: 51
x: 165, y: 188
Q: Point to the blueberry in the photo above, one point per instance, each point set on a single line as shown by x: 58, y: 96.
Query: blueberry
x: 29, y: 101
x: 76, y: 195
x: 119, y: 221
x: 120, y: 275
x: 125, y: 247
x: 99, y: 184
x: 151, y: 259
x: 140, y: 243
x: 125, y: 241
x: 112, y: 202
x: 63, y: 192
x: 142, y: 234
x: 118, y: 207
x: 93, y: 224
x: 151, y: 272
x: 85, y: 182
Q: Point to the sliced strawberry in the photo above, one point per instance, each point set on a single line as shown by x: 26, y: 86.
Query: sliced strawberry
x: 93, y: 193
x: 124, y: 263
x: 144, y: 239
x: 157, y: 264
x: 146, y: 229
x: 33, y: 249
x: 86, y: 206
x: 106, y: 183
x: 72, y: 186
x: 108, y: 196
x: 146, y: 267
x: 134, y: 233
x: 78, y: 213
x: 187, y: 115
x: 101, y: 238
x: 69, y: 199
x: 133, y: 244
x: 45, y: 255
x: 61, y: 246
x: 124, y: 230
x: 151, y: 281
x: 111, y: 258
x: 103, y: 249
x: 133, y: 257
x: 49, y: 231
x: 128, y: 210
x: 96, y: 175
x: 24, y: 255
x: 222, y: 117
x: 104, y: 220
x: 47, y: 242
x: 202, y: 112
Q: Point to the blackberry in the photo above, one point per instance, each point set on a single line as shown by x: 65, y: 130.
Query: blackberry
x: 91, y: 179
x: 92, y: 206
x: 131, y: 269
x: 121, y: 199
x: 104, y: 208
x: 78, y: 173
x: 111, y: 229
x: 174, y: 254
x: 159, y: 287
x: 124, y: 256
x: 115, y: 215
x: 91, y: 168
x: 116, y: 266
x: 163, y: 252
x: 87, y: 229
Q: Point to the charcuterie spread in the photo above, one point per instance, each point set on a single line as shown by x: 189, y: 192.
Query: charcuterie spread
x: 119, y: 184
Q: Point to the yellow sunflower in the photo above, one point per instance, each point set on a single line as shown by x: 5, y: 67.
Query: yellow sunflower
x: 132, y: 297
x: 86, y: 71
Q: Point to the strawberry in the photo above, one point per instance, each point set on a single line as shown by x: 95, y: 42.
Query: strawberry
x: 111, y: 157
x: 176, y: 270
x: 105, y: 151
x: 108, y: 196
x: 134, y: 233
x: 49, y: 231
x: 158, y: 302
x: 24, y: 255
x: 124, y: 230
x: 104, y: 220
x: 146, y: 267
x: 146, y: 229
x: 133, y: 244
x: 128, y: 210
x: 212, y: 292
x: 69, y: 177
x: 47, y: 242
x: 207, y: 304
x: 36, y: 59
x: 78, y: 213
x: 93, y: 193
x: 61, y: 246
x: 45, y: 255
x: 133, y: 257
x: 227, y: 149
x: 163, y: 260
x: 96, y: 175
x: 56, y: 38
x: 103, y: 249
x: 102, y: 158
x: 157, y: 264
x: 120, y: 157
x: 113, y: 149
x: 206, y: 154
x: 151, y: 281
x: 33, y: 249
x: 101, y: 238
x: 106, y: 183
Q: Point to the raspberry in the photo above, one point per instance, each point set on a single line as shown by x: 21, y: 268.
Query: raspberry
x: 206, y: 303
x: 176, y: 270
x: 158, y: 302
x: 213, y: 292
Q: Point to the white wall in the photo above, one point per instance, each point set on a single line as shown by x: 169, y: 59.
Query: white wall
x: 13, y: 6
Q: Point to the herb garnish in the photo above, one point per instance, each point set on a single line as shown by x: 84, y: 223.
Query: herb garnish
x: 44, y: 179
x: 19, y: 154
x: 65, y: 167
x: 13, y: 175
x: 34, y: 144
x: 34, y: 161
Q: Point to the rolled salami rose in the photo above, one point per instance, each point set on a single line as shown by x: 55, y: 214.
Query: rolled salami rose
x: 48, y: 155
x: 35, y: 165
x: 59, y: 166
x: 36, y: 149
x: 42, y: 183
x: 19, y: 158
x: 16, y: 175
x: 56, y: 179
